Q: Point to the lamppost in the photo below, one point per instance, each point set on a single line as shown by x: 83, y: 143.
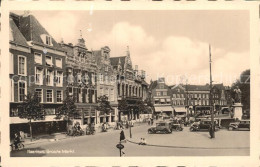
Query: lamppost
x: 130, y: 125
x: 210, y: 99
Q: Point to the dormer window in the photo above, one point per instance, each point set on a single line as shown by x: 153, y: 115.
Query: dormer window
x: 48, y: 40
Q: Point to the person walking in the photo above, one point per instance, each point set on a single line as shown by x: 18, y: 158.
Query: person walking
x: 122, y: 135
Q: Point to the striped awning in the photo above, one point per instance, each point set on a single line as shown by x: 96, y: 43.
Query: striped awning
x: 163, y: 109
x: 180, y: 109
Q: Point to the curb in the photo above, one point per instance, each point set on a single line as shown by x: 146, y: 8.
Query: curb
x: 213, y: 148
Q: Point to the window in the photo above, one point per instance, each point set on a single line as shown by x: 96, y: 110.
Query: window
x: 79, y: 77
x: 70, y: 91
x: 49, y: 96
x: 11, y: 70
x: 38, y: 76
x: 21, y: 65
x: 11, y: 90
x: 107, y: 92
x: 161, y: 86
x: 106, y: 68
x: 38, y: 58
x: 59, y: 96
x: 48, y: 60
x: 93, y: 79
x: 165, y: 93
x: 59, y: 78
x: 195, y: 95
x: 58, y: 62
x: 22, y: 90
x: 177, y: 95
x: 39, y: 94
x: 49, y: 77
x: 101, y: 78
x: 158, y: 93
x: 48, y: 40
x: 14, y: 112
x: 112, y: 95
x: 174, y: 95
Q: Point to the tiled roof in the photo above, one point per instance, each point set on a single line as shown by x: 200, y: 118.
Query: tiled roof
x: 115, y: 61
x: 32, y: 30
x: 197, y: 87
x: 153, y: 85
x: 17, y: 36
x: 97, y: 55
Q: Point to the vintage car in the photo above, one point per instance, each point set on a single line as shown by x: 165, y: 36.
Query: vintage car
x: 176, y: 124
x: 161, y: 127
x: 240, y: 125
x: 203, y: 125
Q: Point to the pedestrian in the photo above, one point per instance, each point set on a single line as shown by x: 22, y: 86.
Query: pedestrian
x: 211, y: 131
x: 122, y: 135
x: 144, y: 141
x: 152, y: 121
x: 141, y: 141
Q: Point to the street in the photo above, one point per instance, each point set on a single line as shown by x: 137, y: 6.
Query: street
x: 185, y: 143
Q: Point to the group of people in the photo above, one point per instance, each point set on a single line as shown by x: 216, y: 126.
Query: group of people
x: 142, y: 142
x: 150, y: 121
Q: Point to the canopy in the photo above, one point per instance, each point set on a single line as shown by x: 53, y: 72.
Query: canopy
x: 180, y: 109
x: 162, y: 100
x: 163, y: 109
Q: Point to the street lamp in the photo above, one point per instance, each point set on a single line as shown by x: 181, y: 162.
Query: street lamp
x: 210, y: 98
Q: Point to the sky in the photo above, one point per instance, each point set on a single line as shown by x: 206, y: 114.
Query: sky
x: 165, y: 43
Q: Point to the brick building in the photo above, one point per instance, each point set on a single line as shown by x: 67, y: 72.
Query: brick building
x: 37, y: 64
x: 161, y: 97
x: 106, y: 83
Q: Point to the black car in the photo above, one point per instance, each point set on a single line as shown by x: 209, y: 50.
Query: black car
x: 241, y: 125
x: 203, y: 125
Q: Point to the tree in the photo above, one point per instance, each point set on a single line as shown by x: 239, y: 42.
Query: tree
x: 68, y: 109
x: 104, y: 105
x: 31, y: 109
x: 141, y: 106
x: 243, y: 84
x: 122, y: 107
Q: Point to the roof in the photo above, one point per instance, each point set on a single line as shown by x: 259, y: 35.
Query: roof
x: 219, y: 86
x: 32, y: 31
x: 97, y: 54
x: 16, y: 36
x: 115, y: 61
x: 144, y: 82
x: 198, y: 87
x: 153, y: 85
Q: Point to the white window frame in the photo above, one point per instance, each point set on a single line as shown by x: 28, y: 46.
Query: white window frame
x: 59, y: 59
x: 41, y: 77
x: 41, y: 94
x: 11, y: 90
x: 48, y: 42
x: 25, y: 65
x: 51, y: 77
x: 11, y: 67
x: 35, y: 57
x: 47, y: 96
x: 60, y: 76
x: 158, y: 93
x: 57, y: 96
x: 24, y: 90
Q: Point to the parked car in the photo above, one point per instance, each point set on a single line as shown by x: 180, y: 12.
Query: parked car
x: 240, y: 125
x: 161, y: 127
x: 204, y: 125
x: 176, y: 125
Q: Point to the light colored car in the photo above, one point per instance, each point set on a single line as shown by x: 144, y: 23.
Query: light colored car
x: 240, y: 125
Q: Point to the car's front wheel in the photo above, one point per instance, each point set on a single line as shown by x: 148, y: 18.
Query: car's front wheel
x: 150, y: 131
x: 230, y: 128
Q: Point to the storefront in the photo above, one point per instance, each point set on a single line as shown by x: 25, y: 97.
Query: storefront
x: 164, y: 109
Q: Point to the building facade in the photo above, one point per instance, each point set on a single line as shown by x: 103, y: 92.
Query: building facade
x: 131, y: 85
x: 161, y: 97
x: 106, y: 83
x: 37, y: 65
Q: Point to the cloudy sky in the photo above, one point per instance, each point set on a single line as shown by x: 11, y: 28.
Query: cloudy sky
x: 166, y: 43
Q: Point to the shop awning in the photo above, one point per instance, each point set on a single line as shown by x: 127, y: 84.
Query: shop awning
x: 180, y: 109
x: 162, y: 100
x: 163, y: 109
